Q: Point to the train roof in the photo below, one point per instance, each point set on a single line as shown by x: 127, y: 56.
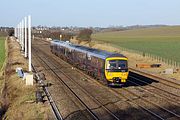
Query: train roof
x: 90, y: 51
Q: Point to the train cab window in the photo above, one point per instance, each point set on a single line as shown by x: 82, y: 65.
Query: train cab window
x: 111, y: 64
x: 122, y: 64
x: 116, y: 64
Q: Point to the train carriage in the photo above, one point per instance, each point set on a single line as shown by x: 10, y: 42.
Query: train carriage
x: 108, y: 66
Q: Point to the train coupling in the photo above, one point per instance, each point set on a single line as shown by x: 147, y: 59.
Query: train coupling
x: 118, y: 80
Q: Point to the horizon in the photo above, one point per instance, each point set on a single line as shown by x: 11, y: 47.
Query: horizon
x: 112, y: 26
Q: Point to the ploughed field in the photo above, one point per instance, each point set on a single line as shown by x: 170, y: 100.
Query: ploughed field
x: 162, y: 41
x: 2, y: 51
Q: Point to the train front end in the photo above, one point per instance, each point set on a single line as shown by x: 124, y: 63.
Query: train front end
x: 116, y: 70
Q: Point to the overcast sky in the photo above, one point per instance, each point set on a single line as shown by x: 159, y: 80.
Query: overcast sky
x: 85, y: 13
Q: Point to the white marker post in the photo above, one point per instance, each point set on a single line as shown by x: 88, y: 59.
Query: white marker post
x: 15, y: 32
x: 29, y: 41
x: 18, y: 33
x: 25, y: 36
x: 22, y: 35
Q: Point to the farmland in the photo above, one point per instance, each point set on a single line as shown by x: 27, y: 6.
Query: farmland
x: 163, y: 41
x: 2, y: 51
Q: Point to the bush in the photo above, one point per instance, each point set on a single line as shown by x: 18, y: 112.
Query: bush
x: 85, y: 35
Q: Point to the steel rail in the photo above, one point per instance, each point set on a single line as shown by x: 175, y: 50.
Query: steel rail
x: 176, y: 115
x: 162, y: 96
x: 54, y: 108
x: 162, y: 80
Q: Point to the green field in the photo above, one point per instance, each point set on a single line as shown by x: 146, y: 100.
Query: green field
x: 163, y: 41
x: 2, y: 51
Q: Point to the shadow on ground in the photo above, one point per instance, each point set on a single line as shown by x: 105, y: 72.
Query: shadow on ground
x: 135, y: 79
x: 126, y: 114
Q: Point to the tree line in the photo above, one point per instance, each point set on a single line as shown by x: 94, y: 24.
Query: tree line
x: 82, y: 35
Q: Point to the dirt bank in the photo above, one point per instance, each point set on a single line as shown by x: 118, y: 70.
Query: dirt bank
x: 18, y: 99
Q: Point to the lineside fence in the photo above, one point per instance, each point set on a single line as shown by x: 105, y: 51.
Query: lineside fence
x: 170, y: 62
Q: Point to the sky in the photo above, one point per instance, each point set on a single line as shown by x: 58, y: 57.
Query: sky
x: 86, y: 13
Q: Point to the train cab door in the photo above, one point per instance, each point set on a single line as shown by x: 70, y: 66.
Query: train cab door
x: 88, y: 62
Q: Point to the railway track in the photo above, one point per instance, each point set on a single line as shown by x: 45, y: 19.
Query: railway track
x: 166, y: 98
x: 83, y: 112
x: 107, y: 114
x: 160, y: 113
x: 163, y: 114
x: 154, y: 90
x: 166, y: 82
x: 53, y: 105
x: 159, y: 116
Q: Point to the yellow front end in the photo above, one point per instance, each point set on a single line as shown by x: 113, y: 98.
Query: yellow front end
x: 116, y: 70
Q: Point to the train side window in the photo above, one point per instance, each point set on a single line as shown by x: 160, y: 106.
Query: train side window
x: 89, y: 57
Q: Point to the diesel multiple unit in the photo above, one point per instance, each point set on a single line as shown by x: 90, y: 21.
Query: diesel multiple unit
x: 100, y: 64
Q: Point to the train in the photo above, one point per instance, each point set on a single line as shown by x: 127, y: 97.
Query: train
x: 100, y: 64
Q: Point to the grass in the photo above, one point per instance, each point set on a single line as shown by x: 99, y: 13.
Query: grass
x: 2, y: 58
x: 164, y: 41
x: 2, y: 51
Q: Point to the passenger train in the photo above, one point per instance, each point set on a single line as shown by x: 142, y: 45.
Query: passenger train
x: 109, y: 66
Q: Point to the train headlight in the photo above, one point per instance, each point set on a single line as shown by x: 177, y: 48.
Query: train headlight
x: 109, y: 74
